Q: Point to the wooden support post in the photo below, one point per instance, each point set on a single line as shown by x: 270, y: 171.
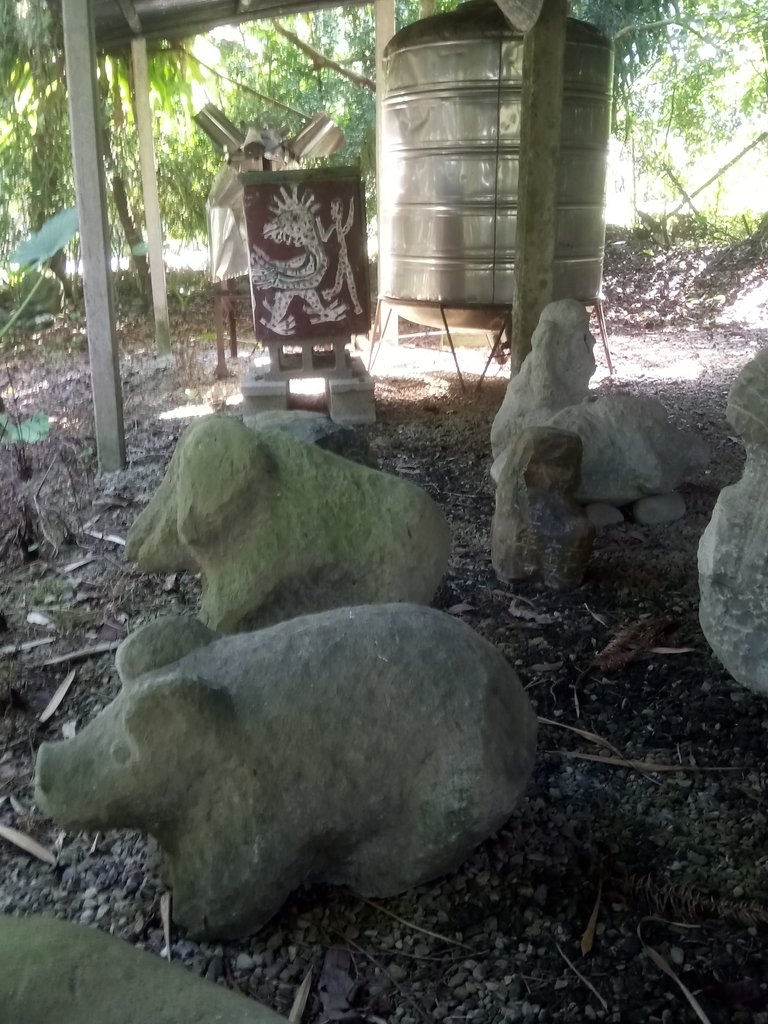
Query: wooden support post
x: 542, y: 104
x: 87, y: 160
x: 384, y: 12
x: 149, y: 189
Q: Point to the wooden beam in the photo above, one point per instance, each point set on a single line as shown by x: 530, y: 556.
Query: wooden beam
x: 149, y: 189
x: 130, y: 14
x: 80, y: 56
x: 540, y: 128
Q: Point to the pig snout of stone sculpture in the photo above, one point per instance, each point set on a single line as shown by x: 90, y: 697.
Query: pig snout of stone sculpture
x: 371, y: 746
x: 279, y: 528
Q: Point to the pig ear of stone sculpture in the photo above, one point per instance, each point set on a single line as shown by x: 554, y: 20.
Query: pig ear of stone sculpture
x: 371, y: 746
x: 160, y: 643
x: 278, y: 528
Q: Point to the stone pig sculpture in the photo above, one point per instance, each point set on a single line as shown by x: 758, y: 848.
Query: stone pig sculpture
x: 278, y: 528
x: 371, y: 746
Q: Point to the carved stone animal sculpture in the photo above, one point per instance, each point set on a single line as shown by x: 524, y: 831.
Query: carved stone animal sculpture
x: 277, y: 527
x: 372, y: 746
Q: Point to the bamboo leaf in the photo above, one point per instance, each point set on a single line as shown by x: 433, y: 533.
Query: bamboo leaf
x: 61, y: 692
x: 27, y: 844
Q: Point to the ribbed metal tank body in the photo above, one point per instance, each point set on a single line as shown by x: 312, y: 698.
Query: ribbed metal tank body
x: 451, y: 138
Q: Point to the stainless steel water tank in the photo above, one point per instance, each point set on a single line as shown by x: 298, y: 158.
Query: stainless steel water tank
x: 451, y: 138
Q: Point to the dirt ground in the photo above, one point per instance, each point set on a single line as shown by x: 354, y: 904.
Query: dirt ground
x: 649, y: 803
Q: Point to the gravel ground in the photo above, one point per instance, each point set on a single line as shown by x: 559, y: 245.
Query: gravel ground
x: 672, y: 860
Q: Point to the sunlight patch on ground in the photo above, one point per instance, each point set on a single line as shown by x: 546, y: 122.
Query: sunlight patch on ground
x: 187, y: 412
x: 749, y: 309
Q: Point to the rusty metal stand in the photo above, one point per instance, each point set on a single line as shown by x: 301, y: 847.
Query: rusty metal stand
x: 376, y: 340
x: 453, y: 349
x: 497, y: 346
x: 598, y: 306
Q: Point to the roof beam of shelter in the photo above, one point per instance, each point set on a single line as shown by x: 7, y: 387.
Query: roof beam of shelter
x: 540, y: 124
x: 130, y: 14
x: 151, y: 198
x: 90, y: 193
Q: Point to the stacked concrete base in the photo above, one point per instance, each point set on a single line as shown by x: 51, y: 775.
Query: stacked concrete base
x: 349, y: 388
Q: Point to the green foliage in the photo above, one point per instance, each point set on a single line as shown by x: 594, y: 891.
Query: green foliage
x: 30, y: 431
x: 57, y: 232
x: 691, y: 92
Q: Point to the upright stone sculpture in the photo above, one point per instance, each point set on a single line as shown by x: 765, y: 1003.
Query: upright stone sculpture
x: 278, y: 528
x: 372, y: 746
x: 539, y: 530
x: 733, y: 551
x: 554, y: 375
x: 630, y: 448
x: 70, y: 974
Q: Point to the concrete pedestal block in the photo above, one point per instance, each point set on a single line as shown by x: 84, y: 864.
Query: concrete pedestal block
x: 351, y: 402
x: 261, y: 395
x: 321, y: 357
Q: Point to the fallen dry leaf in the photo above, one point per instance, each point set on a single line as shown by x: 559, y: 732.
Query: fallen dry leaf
x: 165, y: 917
x: 38, y: 619
x: 58, y: 697
x: 588, y: 938
x: 598, y: 618
x: 518, y: 611
x: 628, y: 643
x: 544, y: 667
x: 27, y: 844
x: 300, y: 999
x: 656, y: 958
x: 459, y: 609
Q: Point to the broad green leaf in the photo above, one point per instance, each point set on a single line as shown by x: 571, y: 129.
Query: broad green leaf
x: 57, y: 232
x: 27, y: 431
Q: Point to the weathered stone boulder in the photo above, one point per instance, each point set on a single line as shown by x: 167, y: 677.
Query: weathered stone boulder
x: 372, y: 746
x: 631, y: 449
x: 277, y: 527
x: 658, y: 509
x: 315, y: 428
x: 554, y: 374
x: 539, y: 531
x: 733, y: 551
x: 65, y: 973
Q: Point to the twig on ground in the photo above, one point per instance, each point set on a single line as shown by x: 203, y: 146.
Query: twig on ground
x: 582, y: 979
x: 591, y: 737
x: 84, y: 652
x: 416, y: 927
x: 26, y: 645
x: 656, y: 958
x: 645, y: 766
x: 377, y: 963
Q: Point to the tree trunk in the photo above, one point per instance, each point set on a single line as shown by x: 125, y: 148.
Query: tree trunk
x: 132, y: 234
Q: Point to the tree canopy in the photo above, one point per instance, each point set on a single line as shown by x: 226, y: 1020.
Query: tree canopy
x: 691, y: 93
